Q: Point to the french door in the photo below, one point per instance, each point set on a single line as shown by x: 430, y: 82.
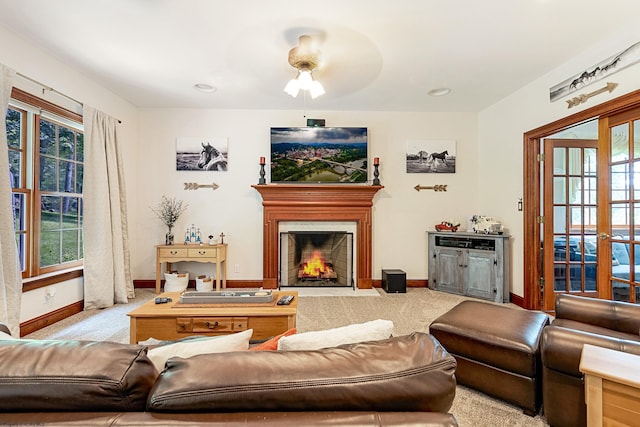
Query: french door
x: 591, y: 211
x: 570, y: 241
x: 621, y: 208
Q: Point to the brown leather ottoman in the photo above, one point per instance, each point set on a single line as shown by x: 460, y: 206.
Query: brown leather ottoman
x: 497, y: 350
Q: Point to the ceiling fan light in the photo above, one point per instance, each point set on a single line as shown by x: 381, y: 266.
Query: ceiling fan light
x: 316, y: 89
x: 293, y: 87
x: 304, y: 79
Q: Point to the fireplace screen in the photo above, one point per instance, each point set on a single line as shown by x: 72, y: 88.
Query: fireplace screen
x: 316, y: 258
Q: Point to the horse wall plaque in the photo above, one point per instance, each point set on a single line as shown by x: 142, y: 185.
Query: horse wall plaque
x: 431, y: 156
x: 201, y: 154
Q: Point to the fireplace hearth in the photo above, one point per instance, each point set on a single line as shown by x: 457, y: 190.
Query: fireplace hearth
x: 316, y: 258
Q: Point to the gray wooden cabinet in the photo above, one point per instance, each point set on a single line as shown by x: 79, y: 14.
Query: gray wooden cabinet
x: 475, y: 265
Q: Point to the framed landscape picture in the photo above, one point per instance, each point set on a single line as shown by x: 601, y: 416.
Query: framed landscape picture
x: 201, y: 154
x: 319, y: 154
x: 431, y: 156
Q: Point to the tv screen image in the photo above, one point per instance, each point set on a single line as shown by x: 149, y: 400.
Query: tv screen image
x: 319, y: 154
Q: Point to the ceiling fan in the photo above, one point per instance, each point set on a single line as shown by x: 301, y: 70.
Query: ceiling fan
x: 305, y: 58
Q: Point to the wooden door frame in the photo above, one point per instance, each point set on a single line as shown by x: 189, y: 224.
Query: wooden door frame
x: 532, y: 191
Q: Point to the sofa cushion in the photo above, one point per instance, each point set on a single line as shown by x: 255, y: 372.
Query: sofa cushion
x: 73, y: 376
x: 407, y: 373
x: 615, y: 315
x: 195, y: 346
x: 562, y: 347
x: 599, y: 330
x: 272, y: 343
x: 368, y: 331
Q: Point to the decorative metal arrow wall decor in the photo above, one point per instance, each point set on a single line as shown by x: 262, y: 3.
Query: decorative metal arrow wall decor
x: 585, y: 96
x: 195, y: 186
x: 437, y: 187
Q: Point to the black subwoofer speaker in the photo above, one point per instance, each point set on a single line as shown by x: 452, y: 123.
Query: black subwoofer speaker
x: 394, y: 281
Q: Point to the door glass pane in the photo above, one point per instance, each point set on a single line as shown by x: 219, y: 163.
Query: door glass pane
x: 636, y: 257
x: 636, y: 180
x: 575, y: 161
x: 636, y: 139
x: 620, y: 291
x: 620, y: 259
x: 575, y: 278
x: 559, y: 190
x: 559, y: 282
x: 590, y: 194
x: 636, y: 219
x: 619, y: 182
x: 559, y: 161
x: 590, y: 161
x: 576, y: 217
x: 559, y: 219
x: 590, y: 219
x: 590, y: 276
x: 620, y: 219
x: 575, y: 190
x: 620, y: 143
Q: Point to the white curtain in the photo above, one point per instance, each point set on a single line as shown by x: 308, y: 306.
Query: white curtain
x: 107, y: 276
x: 10, y: 271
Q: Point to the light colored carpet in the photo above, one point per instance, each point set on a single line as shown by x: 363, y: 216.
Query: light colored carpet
x: 412, y: 311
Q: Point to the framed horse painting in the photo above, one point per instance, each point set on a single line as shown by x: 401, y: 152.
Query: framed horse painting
x: 431, y: 156
x: 201, y: 154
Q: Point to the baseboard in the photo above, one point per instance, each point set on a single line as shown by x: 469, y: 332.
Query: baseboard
x: 47, y: 319
x: 258, y: 283
x: 517, y: 300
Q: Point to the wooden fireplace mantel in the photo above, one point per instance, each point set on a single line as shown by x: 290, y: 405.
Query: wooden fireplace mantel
x: 317, y: 202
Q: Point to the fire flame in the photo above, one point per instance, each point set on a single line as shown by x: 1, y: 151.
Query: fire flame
x: 315, y: 266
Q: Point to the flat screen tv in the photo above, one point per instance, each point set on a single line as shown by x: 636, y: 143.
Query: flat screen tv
x: 319, y: 155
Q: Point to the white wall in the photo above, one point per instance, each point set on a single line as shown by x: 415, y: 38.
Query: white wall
x: 36, y: 64
x: 501, y: 129
x: 401, y: 215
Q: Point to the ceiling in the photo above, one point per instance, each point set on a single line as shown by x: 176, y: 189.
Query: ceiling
x: 377, y: 55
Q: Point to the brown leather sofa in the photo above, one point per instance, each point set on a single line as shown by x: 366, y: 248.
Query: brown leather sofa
x: 579, y: 321
x: 401, y: 381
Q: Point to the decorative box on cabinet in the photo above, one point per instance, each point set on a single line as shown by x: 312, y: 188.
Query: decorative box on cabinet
x: 475, y: 265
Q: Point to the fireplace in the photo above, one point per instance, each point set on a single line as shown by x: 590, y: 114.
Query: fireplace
x: 316, y: 258
x: 317, y: 203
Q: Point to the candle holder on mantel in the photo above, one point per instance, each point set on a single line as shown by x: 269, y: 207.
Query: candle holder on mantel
x: 376, y: 174
x: 262, y: 181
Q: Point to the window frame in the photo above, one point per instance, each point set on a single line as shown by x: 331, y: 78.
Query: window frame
x: 35, y: 109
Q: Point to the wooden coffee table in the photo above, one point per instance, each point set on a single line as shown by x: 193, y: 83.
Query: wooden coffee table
x: 173, y: 320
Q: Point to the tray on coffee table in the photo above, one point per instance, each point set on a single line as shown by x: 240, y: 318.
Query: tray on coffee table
x: 226, y: 297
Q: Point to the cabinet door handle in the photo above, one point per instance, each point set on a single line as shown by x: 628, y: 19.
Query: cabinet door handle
x: 211, y: 325
x: 202, y: 252
x: 173, y: 252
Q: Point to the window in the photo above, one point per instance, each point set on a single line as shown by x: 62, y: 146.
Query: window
x: 46, y: 159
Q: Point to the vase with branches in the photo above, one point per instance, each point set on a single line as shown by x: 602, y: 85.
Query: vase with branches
x: 169, y: 210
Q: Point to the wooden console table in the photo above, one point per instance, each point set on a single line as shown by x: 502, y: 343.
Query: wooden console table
x: 216, y: 254
x: 612, y: 386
